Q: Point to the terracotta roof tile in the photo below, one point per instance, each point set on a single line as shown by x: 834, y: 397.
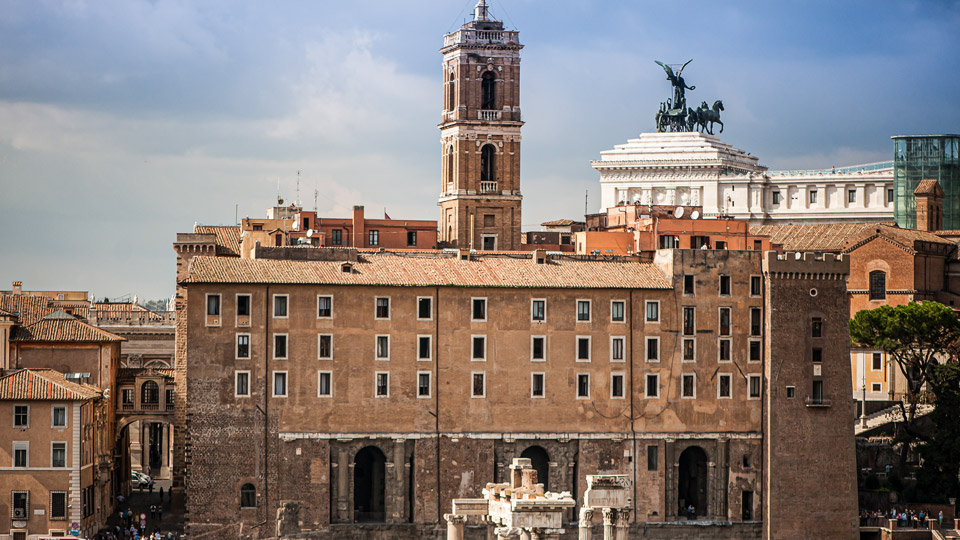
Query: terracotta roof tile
x: 929, y: 186
x: 908, y: 238
x: 43, y: 384
x: 396, y: 270
x: 829, y: 237
x: 228, y: 238
x: 62, y: 329
x: 28, y: 308
x: 559, y: 223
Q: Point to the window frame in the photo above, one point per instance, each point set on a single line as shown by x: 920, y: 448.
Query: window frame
x: 756, y: 330
x: 473, y: 384
x: 236, y: 383
x: 543, y: 349
x: 589, y: 341
x: 53, y: 416
x: 373, y: 237
x: 646, y: 386
x: 25, y: 425
x: 329, y: 297
x: 724, y: 279
x: 429, y: 393
x: 376, y: 384
x: 20, y: 446
x: 376, y: 347
x: 720, y: 349
x: 320, y: 347
x: 589, y: 311
x: 811, y: 196
x: 623, y: 311
x: 879, y: 292
x: 236, y: 348
x: 474, y: 302
x: 543, y: 384
x: 580, y: 375
x: 876, y: 358
x: 646, y: 349
x: 613, y: 349
x: 693, y: 285
x: 683, y: 320
x: 26, y: 505
x: 429, y: 356
x: 286, y: 384
x: 66, y: 502
x: 683, y: 377
x: 816, y: 327
x: 646, y: 312
x: 851, y: 196
x: 750, y: 344
x: 286, y: 345
x: 623, y: 384
x: 286, y: 304
x: 53, y: 444
x: 376, y: 308
x: 775, y: 199
x: 758, y: 279
x: 251, y: 484
x: 729, y: 312
x: 237, y: 314
x: 429, y: 300
x: 320, y: 374
x: 219, y: 312
x: 411, y: 235
x: 473, y: 347
x: 720, y: 379
x: 533, y: 311
x: 750, y: 379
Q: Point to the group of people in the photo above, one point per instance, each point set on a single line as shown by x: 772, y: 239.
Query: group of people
x: 906, y: 518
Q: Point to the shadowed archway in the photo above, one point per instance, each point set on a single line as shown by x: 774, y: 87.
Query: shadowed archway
x: 369, y: 486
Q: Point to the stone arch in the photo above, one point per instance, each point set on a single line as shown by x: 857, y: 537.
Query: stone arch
x: 369, y: 485
x: 248, y: 495
x: 488, y: 158
x: 150, y: 393
x: 541, y: 462
x: 692, y: 482
x: 488, y: 90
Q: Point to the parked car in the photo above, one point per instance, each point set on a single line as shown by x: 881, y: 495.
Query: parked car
x: 140, y: 480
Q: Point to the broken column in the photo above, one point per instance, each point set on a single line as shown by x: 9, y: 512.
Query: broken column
x: 609, y: 493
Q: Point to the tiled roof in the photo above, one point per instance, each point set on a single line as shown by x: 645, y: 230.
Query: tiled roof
x: 397, y: 270
x: 119, y: 306
x: 228, y: 238
x: 559, y: 223
x: 908, y: 238
x: 929, y: 186
x: 5, y: 313
x: 829, y: 237
x: 57, y: 327
x: 43, y: 384
x: 28, y: 308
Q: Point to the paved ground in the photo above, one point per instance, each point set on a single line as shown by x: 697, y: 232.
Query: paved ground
x: 140, y: 503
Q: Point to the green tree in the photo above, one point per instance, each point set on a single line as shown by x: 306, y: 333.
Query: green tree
x: 937, y: 479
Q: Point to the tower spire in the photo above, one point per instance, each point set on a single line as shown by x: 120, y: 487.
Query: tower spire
x: 480, y: 13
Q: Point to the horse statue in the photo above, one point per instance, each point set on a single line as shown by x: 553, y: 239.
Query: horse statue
x: 706, y: 115
x: 693, y: 119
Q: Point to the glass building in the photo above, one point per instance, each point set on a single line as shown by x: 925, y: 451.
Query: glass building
x: 917, y: 157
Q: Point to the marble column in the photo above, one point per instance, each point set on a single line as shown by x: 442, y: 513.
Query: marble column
x: 608, y: 517
x: 622, y: 524
x: 455, y: 525
x: 586, y: 523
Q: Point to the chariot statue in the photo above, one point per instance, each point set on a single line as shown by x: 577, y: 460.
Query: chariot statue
x: 674, y: 115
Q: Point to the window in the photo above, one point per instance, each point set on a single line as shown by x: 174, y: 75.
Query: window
x: 59, y: 417
x: 699, y: 242
x: 813, y: 196
x: 58, y: 454
x: 721, y: 244
x: 21, y: 416
x: 724, y: 351
x: 616, y: 386
x: 478, y: 348
x: 754, y: 382
x: 816, y: 327
x: 756, y: 285
x: 487, y: 170
x: 653, y: 349
x: 278, y: 240
x: 479, y: 309
x: 382, y: 384
x: 653, y: 312
x: 383, y: 347
x: 851, y: 195
x: 258, y: 227
x: 652, y: 452
x: 755, y: 321
x: 724, y: 321
x: 817, y: 392
x: 424, y: 308
x: 724, y: 285
x: 583, y: 385
x: 243, y: 305
x: 689, y: 350
x: 411, y: 238
x: 616, y: 348
x: 248, y: 496
x: 688, y: 284
x: 423, y: 384
x: 488, y: 95
x: 325, y: 347
x: 373, y: 237
x: 213, y: 305
x: 21, y: 454
x: 324, y: 307
x: 538, y: 310
x: 324, y: 383
x: 242, y: 383
x: 791, y: 391
x: 336, y: 237
x: 58, y: 505
x: 724, y: 385
x: 876, y: 387
x: 689, y: 320
x: 776, y: 197
x: 280, y: 306
x: 755, y: 351
x: 536, y: 385
x: 877, y: 362
x: 669, y: 241
x: 689, y: 386
x: 479, y: 380
x: 280, y: 346
x: 489, y: 241
x: 878, y: 285
x: 617, y: 311
x: 21, y: 504
x: 889, y: 195
x: 424, y: 347
x: 538, y: 348
x: 583, y: 348
x: 583, y: 311
x: 817, y: 354
x: 652, y: 389
x: 383, y: 308
x: 243, y: 346
x: 279, y: 384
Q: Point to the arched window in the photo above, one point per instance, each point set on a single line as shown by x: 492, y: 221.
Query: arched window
x: 540, y: 461
x: 248, y: 496
x: 878, y: 285
x: 450, y: 164
x: 487, y: 154
x: 692, y: 483
x: 451, y: 93
x: 150, y: 393
x: 488, y: 91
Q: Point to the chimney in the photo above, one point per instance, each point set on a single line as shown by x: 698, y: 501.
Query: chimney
x: 359, y: 227
x: 17, y: 287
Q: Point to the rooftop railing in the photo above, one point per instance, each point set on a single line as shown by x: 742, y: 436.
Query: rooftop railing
x: 101, y: 317
x: 466, y: 37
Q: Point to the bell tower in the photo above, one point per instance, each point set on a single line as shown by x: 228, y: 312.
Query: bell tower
x: 480, y: 135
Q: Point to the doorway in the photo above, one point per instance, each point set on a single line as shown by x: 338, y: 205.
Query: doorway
x: 692, y: 483
x: 540, y: 461
x: 369, y: 486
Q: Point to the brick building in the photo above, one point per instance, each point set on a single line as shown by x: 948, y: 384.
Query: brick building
x: 379, y: 386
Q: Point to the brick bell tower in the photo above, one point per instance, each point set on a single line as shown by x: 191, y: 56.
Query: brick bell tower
x: 480, y: 136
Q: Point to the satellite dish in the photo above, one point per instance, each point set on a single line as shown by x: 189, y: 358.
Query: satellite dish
x: 309, y: 233
x: 695, y: 215
x: 678, y: 213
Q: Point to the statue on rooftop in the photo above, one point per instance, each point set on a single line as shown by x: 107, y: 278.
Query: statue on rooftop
x: 674, y: 115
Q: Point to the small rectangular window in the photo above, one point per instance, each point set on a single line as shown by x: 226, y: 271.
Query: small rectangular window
x: 424, y: 308
x: 889, y: 195
x: 817, y: 354
x: 336, y: 237
x: 616, y: 386
x: 478, y: 348
x: 689, y: 320
x: 536, y: 385
x: 877, y: 363
x: 754, y: 386
x: 325, y: 347
x: 724, y: 389
x: 653, y: 349
x: 243, y: 346
x: 373, y: 237
x: 59, y: 417
x: 617, y: 308
x: 851, y: 195
x: 688, y: 284
x: 382, y: 384
x: 817, y: 392
x: 243, y: 305
x: 724, y: 354
x: 816, y: 327
x: 876, y: 387
x: 411, y: 238
x: 724, y: 321
x: 755, y: 350
x: 423, y: 384
x: 241, y: 383
x: 21, y: 416
x: 669, y: 241
x: 583, y: 385
x: 21, y: 506
x: 616, y: 348
x: 756, y: 285
x: 583, y: 310
x: 755, y: 321
x: 58, y: 454
x: 538, y: 348
x: 479, y: 310
x: 58, y: 505
x: 280, y: 306
x: 776, y: 197
x: 21, y: 454
x: 583, y: 349
x: 689, y: 386
x: 652, y: 452
x: 213, y: 305
x: 424, y: 347
x: 324, y: 307
x: 538, y: 310
x: 653, y: 312
x: 689, y: 350
x: 279, y: 384
x: 383, y: 308
x: 280, y: 346
x: 813, y: 196
x: 724, y: 285
x: 652, y: 389
x: 479, y: 388
x: 383, y: 347
x: 791, y: 391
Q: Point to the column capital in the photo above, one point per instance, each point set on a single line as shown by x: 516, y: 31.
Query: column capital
x: 455, y: 518
x: 586, y: 516
x: 608, y: 516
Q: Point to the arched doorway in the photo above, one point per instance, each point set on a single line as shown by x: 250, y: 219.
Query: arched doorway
x: 541, y: 462
x: 369, y: 485
x: 692, y: 483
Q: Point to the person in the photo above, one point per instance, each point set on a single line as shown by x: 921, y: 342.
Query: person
x: 161, y: 493
x: 940, y: 518
x: 160, y: 512
x: 153, y: 511
x: 691, y: 512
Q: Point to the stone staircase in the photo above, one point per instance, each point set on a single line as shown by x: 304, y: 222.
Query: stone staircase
x: 886, y: 416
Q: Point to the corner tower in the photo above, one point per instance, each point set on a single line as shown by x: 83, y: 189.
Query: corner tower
x: 480, y: 136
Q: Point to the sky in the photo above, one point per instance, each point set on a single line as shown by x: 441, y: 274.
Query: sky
x: 124, y: 122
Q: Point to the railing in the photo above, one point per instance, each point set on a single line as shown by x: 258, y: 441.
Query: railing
x: 126, y: 406
x: 813, y: 401
x: 169, y: 405
x: 132, y: 318
x: 488, y: 187
x: 480, y: 36
x: 489, y: 115
x: 149, y: 406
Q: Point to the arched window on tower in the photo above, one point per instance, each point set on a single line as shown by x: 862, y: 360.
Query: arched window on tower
x: 488, y: 91
x: 450, y: 165
x: 248, y: 496
x: 451, y: 93
x: 487, y: 155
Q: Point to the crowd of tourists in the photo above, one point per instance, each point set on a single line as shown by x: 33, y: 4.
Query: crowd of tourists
x: 906, y: 518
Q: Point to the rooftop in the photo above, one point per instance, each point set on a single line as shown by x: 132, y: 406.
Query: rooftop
x: 60, y: 326
x: 44, y: 384
x: 228, y: 237
x: 811, y: 236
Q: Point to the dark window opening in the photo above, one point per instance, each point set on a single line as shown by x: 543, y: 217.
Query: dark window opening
x: 692, y: 483
x: 540, y: 461
x: 424, y: 308
x: 688, y: 284
x: 243, y: 305
x: 652, y: 452
x: 411, y: 238
x: 487, y: 171
x: 488, y: 93
x: 369, y: 485
x: 878, y: 285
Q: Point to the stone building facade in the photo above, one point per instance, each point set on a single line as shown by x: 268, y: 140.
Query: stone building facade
x: 380, y: 387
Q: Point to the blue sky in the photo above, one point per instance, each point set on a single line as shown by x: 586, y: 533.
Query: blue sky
x: 124, y: 122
